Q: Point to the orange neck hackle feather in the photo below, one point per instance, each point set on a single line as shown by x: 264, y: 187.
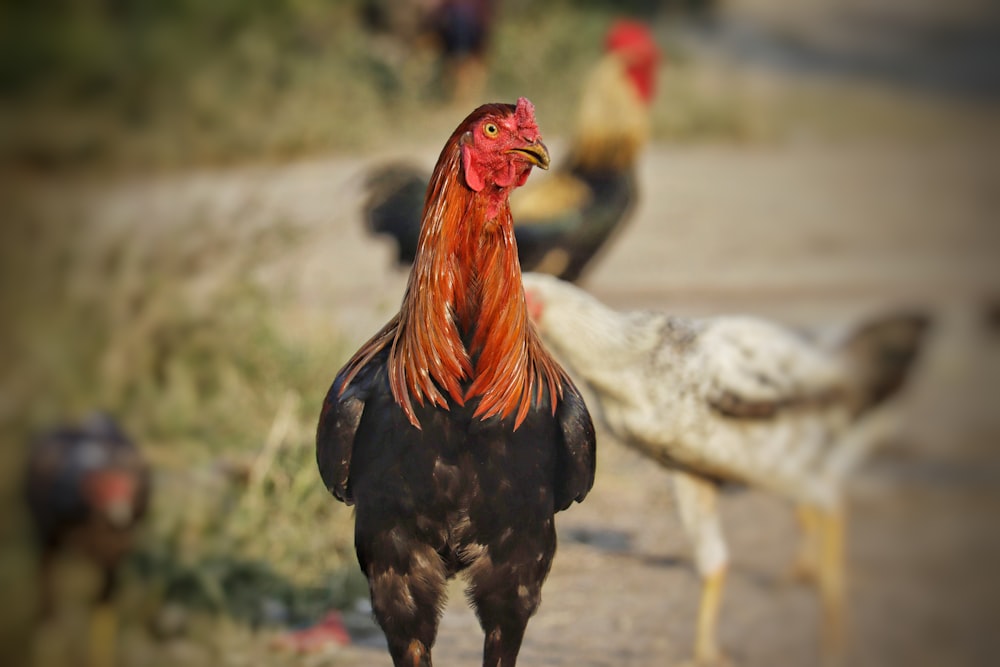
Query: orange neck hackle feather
x: 463, y: 330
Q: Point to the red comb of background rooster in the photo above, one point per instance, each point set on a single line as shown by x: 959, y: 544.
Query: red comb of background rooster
x: 634, y: 42
x: 628, y: 35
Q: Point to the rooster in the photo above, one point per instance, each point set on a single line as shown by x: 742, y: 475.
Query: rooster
x: 565, y: 221
x: 458, y: 30
x: 87, y: 487
x: 463, y: 29
x: 737, y: 399
x: 452, y: 430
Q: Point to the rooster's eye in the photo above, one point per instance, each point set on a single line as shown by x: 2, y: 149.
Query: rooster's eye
x: 490, y: 130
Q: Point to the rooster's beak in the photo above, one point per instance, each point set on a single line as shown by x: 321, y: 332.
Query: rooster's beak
x: 536, y: 153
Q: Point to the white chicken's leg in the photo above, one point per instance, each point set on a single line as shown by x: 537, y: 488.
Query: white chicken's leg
x: 697, y: 504
x: 832, y: 579
x: 706, y: 648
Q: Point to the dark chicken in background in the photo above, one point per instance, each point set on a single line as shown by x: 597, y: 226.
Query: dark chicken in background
x: 87, y: 488
x: 453, y: 431
x: 564, y: 221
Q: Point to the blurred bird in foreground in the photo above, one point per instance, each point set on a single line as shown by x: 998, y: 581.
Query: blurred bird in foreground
x: 453, y: 431
x: 87, y: 488
x: 738, y: 399
x: 564, y: 221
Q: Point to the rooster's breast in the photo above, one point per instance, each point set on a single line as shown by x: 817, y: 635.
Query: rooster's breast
x: 458, y: 483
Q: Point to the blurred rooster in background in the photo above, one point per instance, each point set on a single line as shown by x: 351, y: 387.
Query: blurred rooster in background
x: 457, y: 31
x: 564, y: 221
x: 738, y: 399
x: 87, y: 488
x: 453, y: 431
x: 463, y: 28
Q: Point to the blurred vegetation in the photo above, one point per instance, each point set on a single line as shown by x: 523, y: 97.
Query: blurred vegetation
x: 172, y: 328
x: 125, y: 84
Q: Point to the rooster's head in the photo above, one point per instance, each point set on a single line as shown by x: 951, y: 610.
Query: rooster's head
x: 500, y: 143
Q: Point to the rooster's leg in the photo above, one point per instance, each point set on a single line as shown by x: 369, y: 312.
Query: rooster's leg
x: 505, y: 597
x: 103, y: 632
x: 468, y: 76
x: 46, y: 603
x: 505, y: 587
x: 41, y: 648
x: 831, y: 578
x: 406, y: 579
x: 502, y: 644
x: 697, y: 503
x: 104, y: 623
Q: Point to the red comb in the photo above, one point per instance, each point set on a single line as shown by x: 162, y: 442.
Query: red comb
x: 524, y: 113
x: 634, y: 43
x: 628, y: 35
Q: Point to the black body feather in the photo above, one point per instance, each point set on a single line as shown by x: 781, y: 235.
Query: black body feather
x: 458, y: 494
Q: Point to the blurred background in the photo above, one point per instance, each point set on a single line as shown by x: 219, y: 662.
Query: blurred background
x: 181, y: 246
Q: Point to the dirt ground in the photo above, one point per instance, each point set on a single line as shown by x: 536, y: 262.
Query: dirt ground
x: 809, y: 234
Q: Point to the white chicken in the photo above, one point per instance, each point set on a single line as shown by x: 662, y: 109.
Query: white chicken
x: 737, y: 399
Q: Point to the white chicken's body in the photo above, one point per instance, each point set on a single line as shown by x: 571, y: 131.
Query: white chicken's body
x: 731, y: 397
x: 727, y: 398
x: 674, y: 409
